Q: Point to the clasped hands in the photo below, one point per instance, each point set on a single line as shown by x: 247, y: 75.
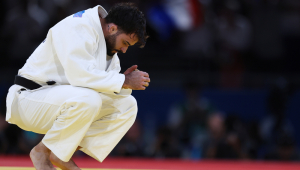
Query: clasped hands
x: 135, y: 79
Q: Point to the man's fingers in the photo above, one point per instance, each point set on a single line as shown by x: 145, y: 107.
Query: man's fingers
x: 146, y: 74
x: 142, y: 88
x: 131, y: 69
x: 146, y: 79
x: 146, y: 84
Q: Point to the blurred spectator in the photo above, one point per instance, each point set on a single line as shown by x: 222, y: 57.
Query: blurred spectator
x: 237, y: 127
x: 21, y: 34
x: 195, y: 108
x: 222, y: 144
x: 187, y: 120
x: 235, y: 32
x: 27, y: 140
x: 132, y: 143
x: 277, y: 130
x: 285, y: 149
x: 166, y: 144
x: 3, y: 139
x: 253, y: 141
x: 276, y: 122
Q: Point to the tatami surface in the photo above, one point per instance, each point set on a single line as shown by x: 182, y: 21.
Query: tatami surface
x: 20, y: 168
x: 24, y: 163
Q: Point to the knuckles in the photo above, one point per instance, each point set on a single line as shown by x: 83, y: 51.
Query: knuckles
x: 141, y: 80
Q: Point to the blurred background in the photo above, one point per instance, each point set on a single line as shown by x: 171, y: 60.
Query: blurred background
x: 225, y: 76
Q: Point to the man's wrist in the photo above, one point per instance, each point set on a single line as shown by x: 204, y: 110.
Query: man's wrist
x: 125, y: 86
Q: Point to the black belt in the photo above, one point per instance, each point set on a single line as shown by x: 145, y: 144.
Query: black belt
x: 29, y: 84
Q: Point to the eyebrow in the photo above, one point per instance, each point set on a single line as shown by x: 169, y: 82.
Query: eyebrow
x: 128, y: 43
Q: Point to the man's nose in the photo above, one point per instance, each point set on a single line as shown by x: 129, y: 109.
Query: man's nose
x: 124, y: 49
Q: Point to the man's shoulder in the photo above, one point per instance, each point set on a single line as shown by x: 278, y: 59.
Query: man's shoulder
x: 84, y: 17
x: 81, y: 23
x: 75, y: 21
x: 80, y: 18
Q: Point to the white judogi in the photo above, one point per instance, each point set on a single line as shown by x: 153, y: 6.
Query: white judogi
x: 87, y: 106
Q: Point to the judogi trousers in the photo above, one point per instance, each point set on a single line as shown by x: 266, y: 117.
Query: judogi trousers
x: 73, y: 116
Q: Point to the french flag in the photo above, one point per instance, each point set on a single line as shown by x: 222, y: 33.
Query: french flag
x: 182, y: 15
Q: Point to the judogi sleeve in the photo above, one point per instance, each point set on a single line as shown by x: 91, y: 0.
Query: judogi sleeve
x: 75, y: 44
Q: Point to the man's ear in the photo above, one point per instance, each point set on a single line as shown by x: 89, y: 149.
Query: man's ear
x: 112, y: 28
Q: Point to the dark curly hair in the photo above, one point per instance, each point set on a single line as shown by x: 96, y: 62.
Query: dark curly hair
x: 129, y: 19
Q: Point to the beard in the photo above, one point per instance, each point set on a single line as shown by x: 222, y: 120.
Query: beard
x: 110, y: 41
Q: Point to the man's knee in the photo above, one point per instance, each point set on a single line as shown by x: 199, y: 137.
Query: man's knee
x: 131, y: 105
x: 131, y: 101
x: 131, y: 109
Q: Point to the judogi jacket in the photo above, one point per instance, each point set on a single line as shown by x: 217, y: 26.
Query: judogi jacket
x: 74, y: 53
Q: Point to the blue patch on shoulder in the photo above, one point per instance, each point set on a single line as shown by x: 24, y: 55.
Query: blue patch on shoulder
x: 79, y: 14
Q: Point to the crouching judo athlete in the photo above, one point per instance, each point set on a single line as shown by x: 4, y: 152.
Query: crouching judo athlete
x: 71, y: 88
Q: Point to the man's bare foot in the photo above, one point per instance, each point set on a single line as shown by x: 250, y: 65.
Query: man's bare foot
x: 63, y: 165
x: 40, y: 157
